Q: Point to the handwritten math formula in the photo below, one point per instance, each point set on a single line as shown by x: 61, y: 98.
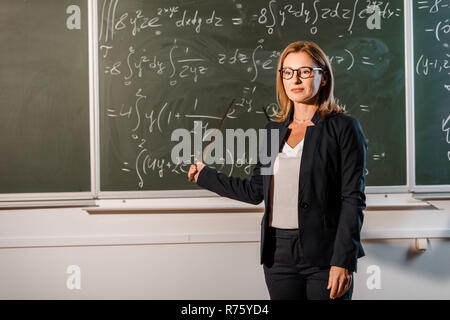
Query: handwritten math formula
x: 432, y: 76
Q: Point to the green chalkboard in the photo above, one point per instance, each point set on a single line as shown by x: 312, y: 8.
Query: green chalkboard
x: 432, y: 92
x: 44, y: 96
x: 165, y: 64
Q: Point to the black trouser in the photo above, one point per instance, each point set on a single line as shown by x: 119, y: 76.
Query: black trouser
x: 289, y: 277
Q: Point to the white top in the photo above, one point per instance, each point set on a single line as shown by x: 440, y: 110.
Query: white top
x: 284, y: 187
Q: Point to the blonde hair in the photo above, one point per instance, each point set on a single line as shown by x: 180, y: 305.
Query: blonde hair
x: 328, y: 105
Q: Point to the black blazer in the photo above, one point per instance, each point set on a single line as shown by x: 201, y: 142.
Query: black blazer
x: 331, y: 195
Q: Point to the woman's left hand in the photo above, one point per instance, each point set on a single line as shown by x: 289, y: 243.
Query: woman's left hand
x: 339, y: 281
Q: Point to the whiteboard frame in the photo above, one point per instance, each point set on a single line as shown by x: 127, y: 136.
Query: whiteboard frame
x: 420, y: 190
x: 206, y: 193
x: 409, y: 101
x: 63, y: 199
x: 95, y: 106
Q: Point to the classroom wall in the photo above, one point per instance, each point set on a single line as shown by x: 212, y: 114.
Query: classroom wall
x: 202, y: 255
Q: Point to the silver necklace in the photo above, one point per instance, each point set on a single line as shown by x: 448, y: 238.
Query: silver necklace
x: 300, y: 120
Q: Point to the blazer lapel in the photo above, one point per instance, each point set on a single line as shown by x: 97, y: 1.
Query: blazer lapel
x: 284, y: 129
x: 312, y: 140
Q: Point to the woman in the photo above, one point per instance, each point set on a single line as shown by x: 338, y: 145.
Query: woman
x: 314, y: 200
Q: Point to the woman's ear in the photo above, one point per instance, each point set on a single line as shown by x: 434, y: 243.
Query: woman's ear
x: 324, y: 78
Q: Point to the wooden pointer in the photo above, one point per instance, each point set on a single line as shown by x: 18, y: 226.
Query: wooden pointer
x: 191, y: 177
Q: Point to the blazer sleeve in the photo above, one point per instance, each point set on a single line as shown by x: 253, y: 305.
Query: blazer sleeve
x: 245, y: 190
x: 347, y: 245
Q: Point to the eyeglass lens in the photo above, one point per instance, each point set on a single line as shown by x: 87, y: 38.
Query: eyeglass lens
x: 288, y: 73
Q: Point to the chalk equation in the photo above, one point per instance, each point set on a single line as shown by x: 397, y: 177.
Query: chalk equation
x: 270, y: 14
x: 432, y: 80
x: 446, y: 129
x: 180, y: 64
x: 433, y: 6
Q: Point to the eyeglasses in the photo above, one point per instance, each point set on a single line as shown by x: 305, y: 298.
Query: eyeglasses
x: 302, y: 72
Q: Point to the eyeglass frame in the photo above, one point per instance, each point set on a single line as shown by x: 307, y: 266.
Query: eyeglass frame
x: 296, y: 71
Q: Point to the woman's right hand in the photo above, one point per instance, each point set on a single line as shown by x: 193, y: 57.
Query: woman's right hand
x: 194, y: 171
